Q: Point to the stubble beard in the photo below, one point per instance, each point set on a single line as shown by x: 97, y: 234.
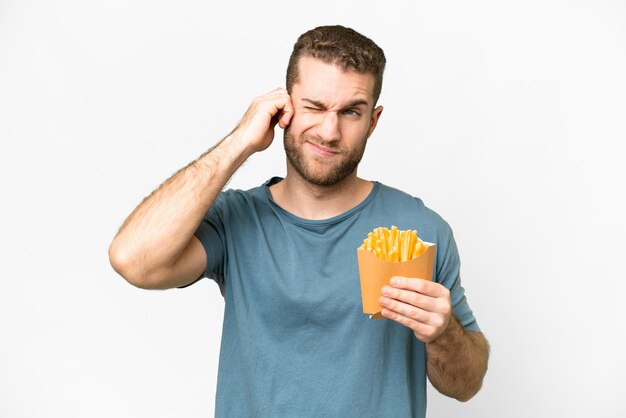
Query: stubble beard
x: 326, y: 173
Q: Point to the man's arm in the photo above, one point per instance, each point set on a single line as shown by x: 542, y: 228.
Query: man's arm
x: 456, y: 359
x: 156, y: 248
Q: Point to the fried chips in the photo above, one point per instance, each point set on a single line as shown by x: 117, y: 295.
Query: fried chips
x: 394, y: 244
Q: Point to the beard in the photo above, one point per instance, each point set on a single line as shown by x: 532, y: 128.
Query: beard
x: 321, y: 173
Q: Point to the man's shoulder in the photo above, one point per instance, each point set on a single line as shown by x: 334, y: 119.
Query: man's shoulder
x: 403, y: 199
x: 390, y: 192
x: 237, y: 202
x: 240, y: 195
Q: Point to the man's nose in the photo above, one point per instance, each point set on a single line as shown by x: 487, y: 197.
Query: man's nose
x: 329, y: 127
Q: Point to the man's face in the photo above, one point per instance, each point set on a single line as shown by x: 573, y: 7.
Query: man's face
x: 333, y: 117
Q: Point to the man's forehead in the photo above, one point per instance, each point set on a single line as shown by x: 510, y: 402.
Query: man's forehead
x: 322, y: 81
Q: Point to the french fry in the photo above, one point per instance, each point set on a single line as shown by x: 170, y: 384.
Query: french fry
x: 394, y: 244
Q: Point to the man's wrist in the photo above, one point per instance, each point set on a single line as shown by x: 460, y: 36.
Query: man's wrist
x: 452, y: 335
x: 226, y: 156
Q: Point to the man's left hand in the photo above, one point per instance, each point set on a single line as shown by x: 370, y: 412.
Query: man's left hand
x: 421, y: 305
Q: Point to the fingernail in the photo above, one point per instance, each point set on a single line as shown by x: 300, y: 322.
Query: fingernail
x: 394, y: 281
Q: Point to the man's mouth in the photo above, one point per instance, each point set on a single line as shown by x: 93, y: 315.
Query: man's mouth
x: 322, y: 150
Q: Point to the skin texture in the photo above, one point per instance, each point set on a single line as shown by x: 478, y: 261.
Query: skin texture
x: 328, y: 118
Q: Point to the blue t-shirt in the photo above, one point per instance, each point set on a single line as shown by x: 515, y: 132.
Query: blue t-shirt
x: 295, y: 342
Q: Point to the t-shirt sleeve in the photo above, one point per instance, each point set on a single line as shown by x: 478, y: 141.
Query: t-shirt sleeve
x: 448, y: 267
x: 211, y: 234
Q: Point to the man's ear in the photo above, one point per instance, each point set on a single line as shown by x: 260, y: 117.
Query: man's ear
x: 374, y: 119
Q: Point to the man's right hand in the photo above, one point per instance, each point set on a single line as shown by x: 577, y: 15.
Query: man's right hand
x: 256, y: 129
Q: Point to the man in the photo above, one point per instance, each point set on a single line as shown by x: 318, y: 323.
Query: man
x: 295, y: 342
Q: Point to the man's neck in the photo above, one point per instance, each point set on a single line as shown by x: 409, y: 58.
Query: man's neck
x: 310, y: 201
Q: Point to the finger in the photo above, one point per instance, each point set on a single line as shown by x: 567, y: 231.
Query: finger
x: 425, y: 287
x: 423, y: 332
x: 279, y: 98
x: 273, y: 103
x: 402, y: 319
x: 407, y: 310
x: 275, y: 119
x: 428, y: 303
x: 287, y: 113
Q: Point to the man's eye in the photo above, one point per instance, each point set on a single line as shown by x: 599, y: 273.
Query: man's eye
x: 313, y: 109
x: 351, y: 112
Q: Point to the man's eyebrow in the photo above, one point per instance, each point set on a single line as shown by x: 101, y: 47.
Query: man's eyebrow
x: 352, y: 103
x: 356, y: 103
x: 315, y: 103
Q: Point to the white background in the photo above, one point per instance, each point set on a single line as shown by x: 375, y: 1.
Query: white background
x: 506, y: 117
